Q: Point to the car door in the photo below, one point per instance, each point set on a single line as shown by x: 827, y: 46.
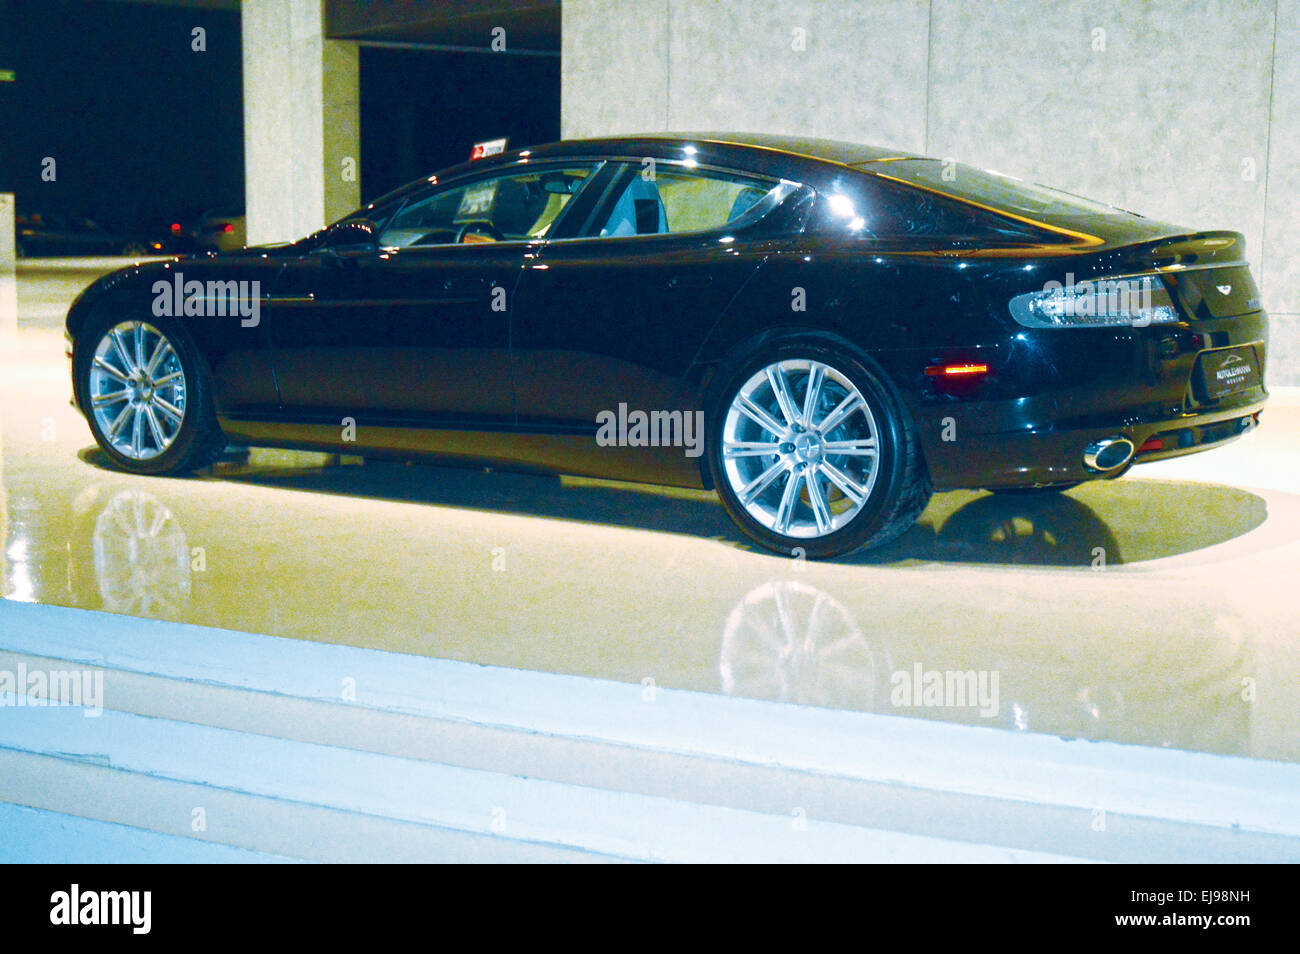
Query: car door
x: 616, y: 315
x: 416, y: 331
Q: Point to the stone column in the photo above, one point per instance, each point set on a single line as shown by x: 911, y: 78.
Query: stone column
x: 301, y: 121
x: 6, y: 232
x: 8, y: 283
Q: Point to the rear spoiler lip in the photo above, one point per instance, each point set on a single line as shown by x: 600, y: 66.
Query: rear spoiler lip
x: 1186, y: 250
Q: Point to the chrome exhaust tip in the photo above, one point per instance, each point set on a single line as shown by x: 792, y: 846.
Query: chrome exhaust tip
x: 1109, y: 454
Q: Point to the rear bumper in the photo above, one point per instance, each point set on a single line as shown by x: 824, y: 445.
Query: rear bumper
x: 1055, y: 455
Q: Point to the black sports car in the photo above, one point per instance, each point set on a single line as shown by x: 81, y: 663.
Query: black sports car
x: 822, y: 331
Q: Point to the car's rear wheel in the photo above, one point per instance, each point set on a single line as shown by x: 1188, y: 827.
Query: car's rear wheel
x: 147, y: 397
x: 812, y: 451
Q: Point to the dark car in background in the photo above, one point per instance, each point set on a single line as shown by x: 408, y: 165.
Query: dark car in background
x: 53, y: 235
x: 824, y: 332
x: 208, y: 230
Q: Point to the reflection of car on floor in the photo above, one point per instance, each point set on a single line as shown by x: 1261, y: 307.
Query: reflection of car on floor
x: 141, y: 557
x: 851, y: 326
x: 43, y: 234
x: 790, y: 641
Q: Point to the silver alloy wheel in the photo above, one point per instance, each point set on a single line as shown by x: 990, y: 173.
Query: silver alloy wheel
x: 137, y: 390
x: 799, y: 448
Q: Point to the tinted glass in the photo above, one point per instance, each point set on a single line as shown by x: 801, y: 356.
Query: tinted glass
x: 870, y: 208
x: 659, y: 201
x: 513, y: 207
x: 1002, y: 192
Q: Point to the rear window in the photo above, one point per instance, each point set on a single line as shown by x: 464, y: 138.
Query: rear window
x: 867, y: 207
x: 1002, y: 192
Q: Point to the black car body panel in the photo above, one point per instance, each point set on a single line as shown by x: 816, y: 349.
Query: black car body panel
x: 407, y: 344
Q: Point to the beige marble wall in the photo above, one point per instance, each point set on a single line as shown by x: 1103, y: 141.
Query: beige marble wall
x: 1281, y: 272
x: 852, y: 70
x: 301, y: 121
x: 614, y: 67
x: 1186, y: 110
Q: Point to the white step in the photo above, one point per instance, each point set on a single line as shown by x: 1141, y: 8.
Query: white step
x: 963, y: 786
x: 34, y: 836
x: 613, y: 824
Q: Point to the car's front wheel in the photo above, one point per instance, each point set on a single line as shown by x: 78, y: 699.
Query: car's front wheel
x: 812, y: 451
x: 146, y: 396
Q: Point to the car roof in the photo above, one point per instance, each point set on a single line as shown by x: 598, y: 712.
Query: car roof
x: 826, y: 150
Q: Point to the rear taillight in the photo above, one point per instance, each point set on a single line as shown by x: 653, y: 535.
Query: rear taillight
x: 1138, y: 301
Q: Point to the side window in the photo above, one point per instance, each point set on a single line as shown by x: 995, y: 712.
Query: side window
x: 673, y: 201
x: 507, y: 208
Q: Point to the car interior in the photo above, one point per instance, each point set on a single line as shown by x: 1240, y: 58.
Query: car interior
x: 524, y: 206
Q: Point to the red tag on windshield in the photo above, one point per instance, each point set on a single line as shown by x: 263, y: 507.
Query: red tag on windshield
x: 482, y: 150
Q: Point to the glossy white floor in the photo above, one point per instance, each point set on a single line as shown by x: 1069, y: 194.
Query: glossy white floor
x: 1158, y: 612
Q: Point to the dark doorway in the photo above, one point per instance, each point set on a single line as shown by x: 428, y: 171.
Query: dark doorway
x: 135, y: 124
x: 421, y: 110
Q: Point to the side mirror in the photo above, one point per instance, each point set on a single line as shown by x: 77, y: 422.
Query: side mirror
x: 350, y: 233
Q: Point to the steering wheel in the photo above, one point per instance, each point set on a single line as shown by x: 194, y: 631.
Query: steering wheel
x: 479, y: 228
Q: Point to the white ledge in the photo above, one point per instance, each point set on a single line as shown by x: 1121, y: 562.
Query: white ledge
x: 1173, y: 785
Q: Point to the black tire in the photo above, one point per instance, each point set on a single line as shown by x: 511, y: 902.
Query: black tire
x: 199, y: 440
x: 1035, y: 491
x: 901, y: 489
